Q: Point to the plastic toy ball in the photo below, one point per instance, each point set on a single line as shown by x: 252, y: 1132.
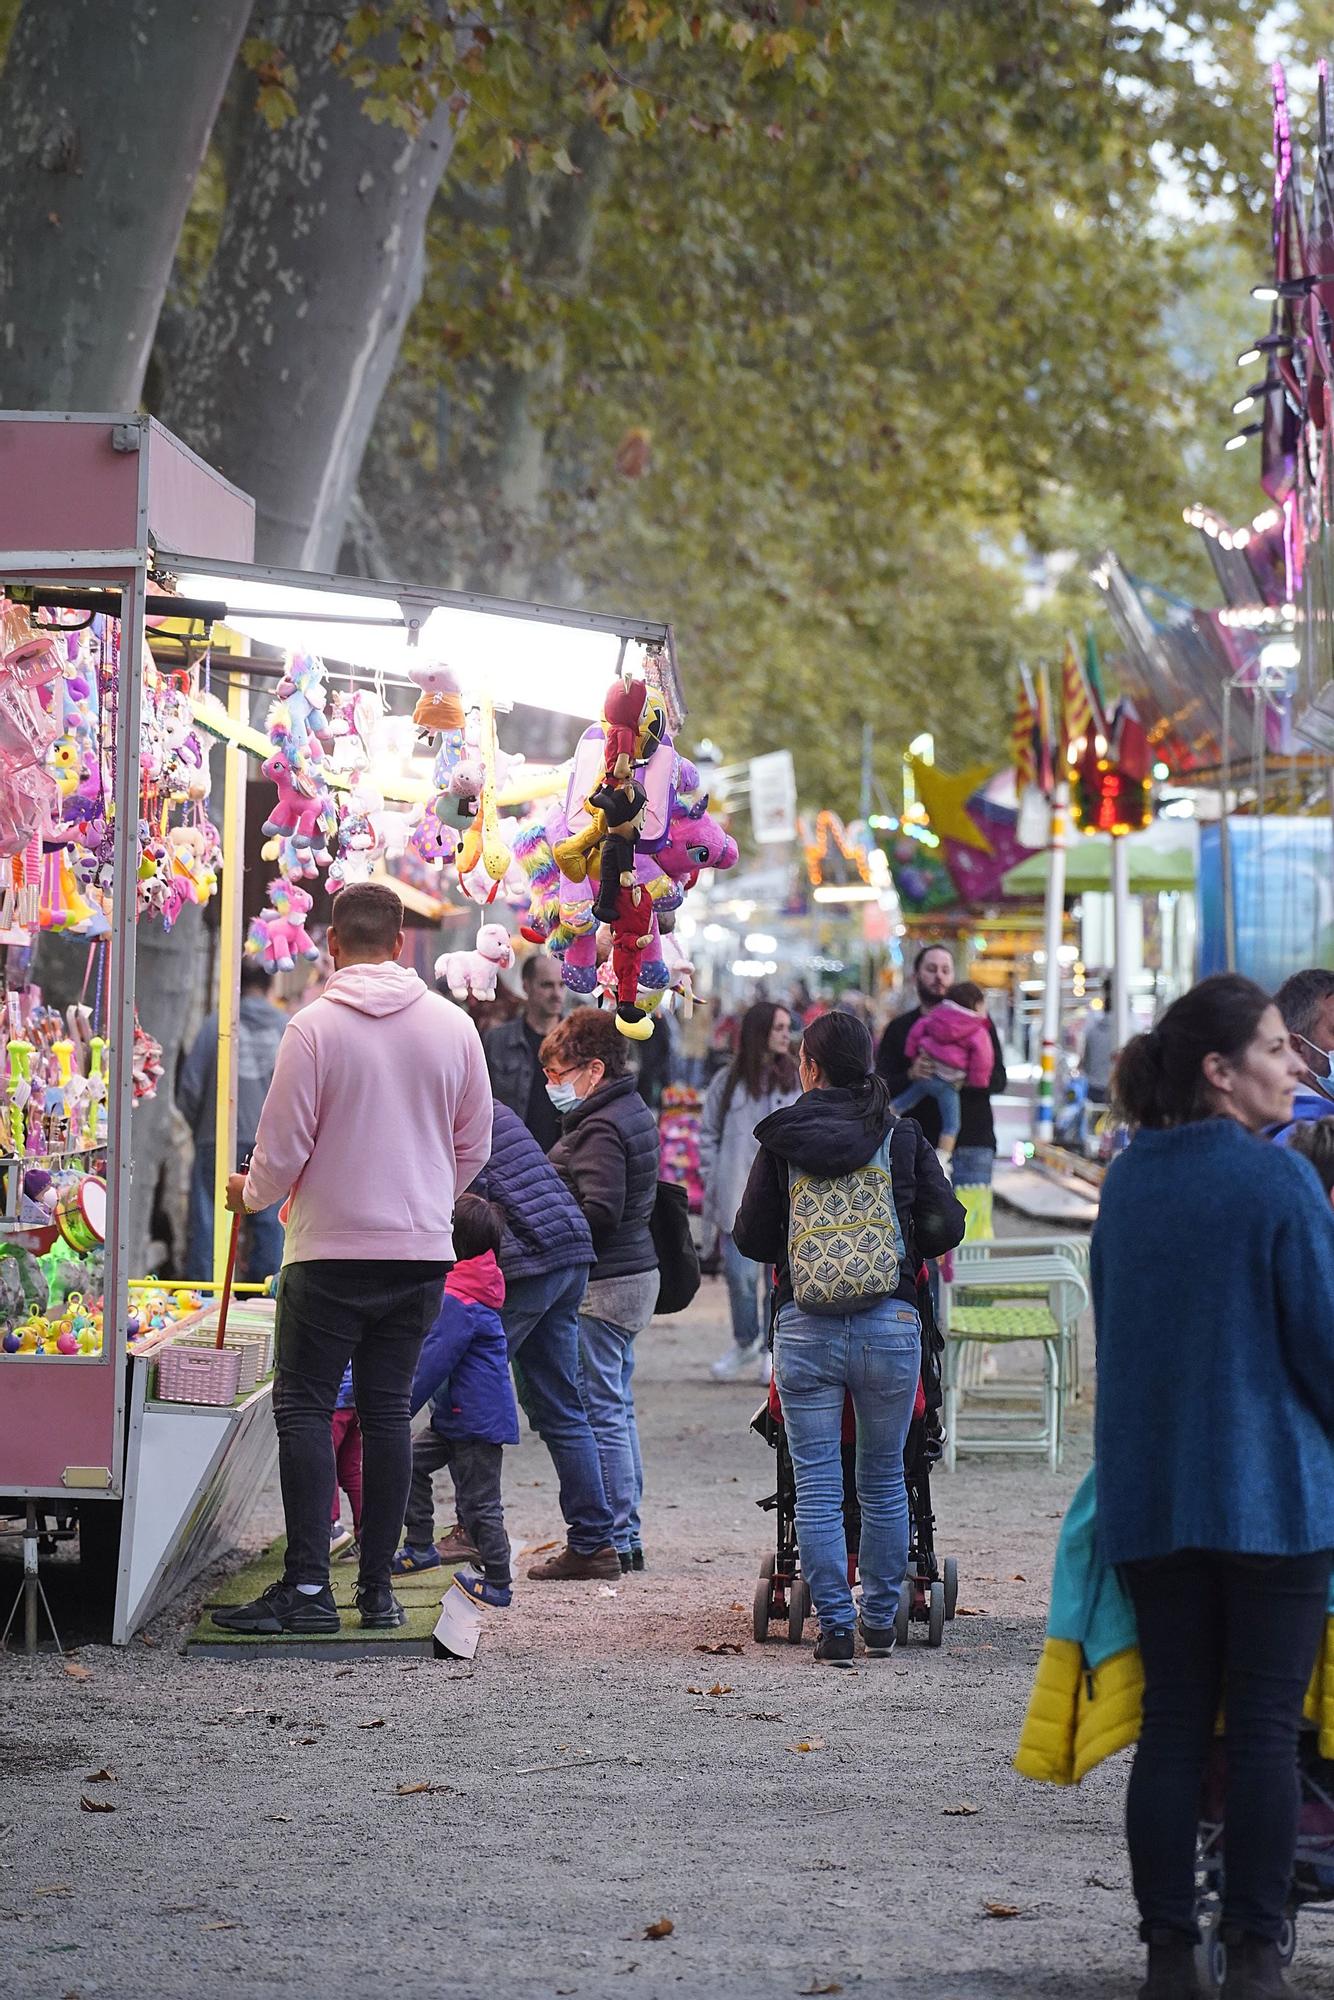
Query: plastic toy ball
x: 132, y: 1326
x: 12, y: 1341
x: 67, y: 1342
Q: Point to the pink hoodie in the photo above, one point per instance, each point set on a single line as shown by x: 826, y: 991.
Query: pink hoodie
x: 958, y: 1038
x: 379, y: 1113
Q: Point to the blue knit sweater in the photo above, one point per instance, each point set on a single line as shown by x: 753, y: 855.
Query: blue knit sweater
x: 1213, y: 1290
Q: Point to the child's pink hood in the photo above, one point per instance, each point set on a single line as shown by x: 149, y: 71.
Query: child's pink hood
x: 479, y: 1281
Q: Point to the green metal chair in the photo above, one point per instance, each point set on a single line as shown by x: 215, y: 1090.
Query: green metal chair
x: 1001, y: 1297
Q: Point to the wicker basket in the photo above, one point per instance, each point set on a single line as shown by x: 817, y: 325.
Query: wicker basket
x: 249, y: 1346
x: 198, y: 1374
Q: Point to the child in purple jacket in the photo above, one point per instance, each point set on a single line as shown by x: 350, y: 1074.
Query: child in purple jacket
x: 464, y: 1374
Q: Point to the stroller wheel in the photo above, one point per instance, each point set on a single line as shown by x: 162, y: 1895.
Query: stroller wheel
x: 950, y: 1570
x: 768, y: 1564
x: 798, y: 1610
x: 1287, y: 1937
x: 760, y: 1622
x: 935, y: 1615
x: 904, y: 1612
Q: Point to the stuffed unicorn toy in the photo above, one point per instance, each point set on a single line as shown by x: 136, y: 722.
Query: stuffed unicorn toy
x: 475, y: 972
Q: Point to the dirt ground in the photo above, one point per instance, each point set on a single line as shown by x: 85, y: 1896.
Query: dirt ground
x: 599, y: 1768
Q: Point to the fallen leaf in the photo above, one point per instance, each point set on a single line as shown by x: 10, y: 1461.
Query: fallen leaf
x: 971, y: 1611
x: 738, y: 1607
x: 225, y: 1926
x: 147, y: 1639
x: 94, y: 1805
x: 1096, y: 1882
x: 344, y: 1673
x: 694, y: 1690
x: 1004, y: 1910
x: 832, y: 1987
x: 723, y: 1646
x: 377, y: 1724
x: 764, y: 1715
x: 806, y: 1743
x: 702, y: 1559
x: 76, y: 1670
x: 300, y: 1741
x: 422, y: 1785
x: 718, y: 1689
x: 1018, y: 1579
x: 661, y: 1929
x: 280, y: 1819
x: 960, y: 1812
x: 540, y: 1548
x: 106, y: 1776
x: 55, y: 1889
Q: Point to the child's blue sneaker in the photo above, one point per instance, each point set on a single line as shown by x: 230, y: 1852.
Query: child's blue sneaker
x: 474, y: 1585
x: 409, y: 1559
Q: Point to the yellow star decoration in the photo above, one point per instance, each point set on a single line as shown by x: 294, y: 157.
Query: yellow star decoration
x: 945, y: 794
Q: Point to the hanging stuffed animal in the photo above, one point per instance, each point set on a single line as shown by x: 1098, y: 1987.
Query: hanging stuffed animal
x: 277, y: 936
x: 303, y: 812
x: 297, y: 720
x: 439, y: 705
x: 475, y: 972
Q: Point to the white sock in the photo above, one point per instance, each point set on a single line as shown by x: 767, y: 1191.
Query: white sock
x: 309, y: 1589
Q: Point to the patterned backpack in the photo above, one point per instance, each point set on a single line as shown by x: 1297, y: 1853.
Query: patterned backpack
x: 845, y: 1246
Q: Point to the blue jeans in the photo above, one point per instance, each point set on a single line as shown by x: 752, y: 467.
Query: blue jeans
x: 877, y: 1354
x: 745, y: 1281
x: 264, y: 1232
x: 541, y: 1320
x: 946, y: 1095
x: 972, y: 1166
x: 606, y: 1366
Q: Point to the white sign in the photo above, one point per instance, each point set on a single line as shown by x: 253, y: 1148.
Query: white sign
x: 773, y: 797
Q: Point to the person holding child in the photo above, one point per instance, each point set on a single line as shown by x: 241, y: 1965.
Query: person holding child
x: 954, y: 1040
x: 464, y: 1373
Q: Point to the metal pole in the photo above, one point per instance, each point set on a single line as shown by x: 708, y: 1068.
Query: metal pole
x: 1045, y: 1125
x: 1120, y: 940
x: 1225, y: 838
x: 229, y: 975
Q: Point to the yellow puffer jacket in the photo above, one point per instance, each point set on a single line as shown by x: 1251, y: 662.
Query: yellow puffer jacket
x: 1087, y: 1695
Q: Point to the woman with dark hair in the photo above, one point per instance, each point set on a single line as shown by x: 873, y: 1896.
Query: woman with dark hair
x: 607, y: 1156
x: 847, y: 1200
x: 761, y: 1078
x: 1213, y: 1289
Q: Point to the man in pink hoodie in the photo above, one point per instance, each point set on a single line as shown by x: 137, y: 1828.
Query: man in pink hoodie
x: 379, y: 1113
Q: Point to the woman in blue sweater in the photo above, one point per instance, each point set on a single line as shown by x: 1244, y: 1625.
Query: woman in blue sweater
x: 1213, y: 1289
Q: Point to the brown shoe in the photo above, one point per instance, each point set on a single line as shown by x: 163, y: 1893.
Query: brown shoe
x: 570, y: 1566
x: 455, y: 1547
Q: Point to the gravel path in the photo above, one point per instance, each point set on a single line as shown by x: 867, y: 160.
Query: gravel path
x: 592, y: 1773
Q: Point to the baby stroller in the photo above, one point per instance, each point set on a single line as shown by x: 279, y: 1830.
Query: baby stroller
x: 930, y: 1588
x: 1313, y: 1864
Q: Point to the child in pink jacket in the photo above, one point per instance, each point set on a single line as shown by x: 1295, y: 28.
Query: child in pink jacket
x: 955, y: 1037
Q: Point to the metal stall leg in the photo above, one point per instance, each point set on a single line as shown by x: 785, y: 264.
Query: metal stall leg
x: 32, y: 1592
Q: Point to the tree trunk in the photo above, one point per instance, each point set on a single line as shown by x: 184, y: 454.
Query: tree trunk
x: 318, y: 266
x: 105, y: 112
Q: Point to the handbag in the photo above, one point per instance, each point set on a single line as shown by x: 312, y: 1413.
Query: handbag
x: 674, y: 1246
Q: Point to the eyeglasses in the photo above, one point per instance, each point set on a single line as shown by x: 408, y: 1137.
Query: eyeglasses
x: 559, y: 1075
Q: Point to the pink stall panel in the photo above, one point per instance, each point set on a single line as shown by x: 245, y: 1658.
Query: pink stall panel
x: 55, y: 1416
x: 64, y: 485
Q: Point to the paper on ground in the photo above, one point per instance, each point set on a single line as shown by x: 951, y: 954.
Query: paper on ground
x: 459, y: 1625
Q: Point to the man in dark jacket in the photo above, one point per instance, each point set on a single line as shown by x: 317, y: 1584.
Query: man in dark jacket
x: 545, y: 1254
x: 975, y: 1148
x: 511, y: 1050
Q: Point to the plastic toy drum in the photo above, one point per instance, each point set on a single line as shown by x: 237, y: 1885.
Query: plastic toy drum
x: 81, y: 1213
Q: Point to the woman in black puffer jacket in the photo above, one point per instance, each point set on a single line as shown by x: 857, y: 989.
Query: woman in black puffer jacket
x: 608, y: 1158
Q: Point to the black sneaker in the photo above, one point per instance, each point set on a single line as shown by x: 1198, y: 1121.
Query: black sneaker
x: 879, y: 1644
x: 282, y: 1608
x: 380, y: 1609
x: 636, y: 1559
x: 834, y: 1648
x: 626, y: 1563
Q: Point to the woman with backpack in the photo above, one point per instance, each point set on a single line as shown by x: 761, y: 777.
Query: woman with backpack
x: 761, y: 1078
x: 847, y: 1200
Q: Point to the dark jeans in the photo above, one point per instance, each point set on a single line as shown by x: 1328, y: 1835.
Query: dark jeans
x: 474, y: 1465
x: 375, y: 1315
x: 541, y: 1320
x: 1239, y: 1632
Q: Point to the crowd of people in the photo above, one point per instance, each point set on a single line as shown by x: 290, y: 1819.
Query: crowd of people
x: 504, y: 1247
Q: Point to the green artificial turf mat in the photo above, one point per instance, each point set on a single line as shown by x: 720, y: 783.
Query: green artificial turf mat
x: 419, y: 1595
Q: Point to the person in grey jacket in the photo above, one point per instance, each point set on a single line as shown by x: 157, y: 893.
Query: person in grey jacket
x: 608, y: 1158
x: 511, y: 1050
x: 761, y: 1078
x: 259, y: 1029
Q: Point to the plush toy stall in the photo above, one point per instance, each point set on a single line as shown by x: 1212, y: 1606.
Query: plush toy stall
x: 119, y: 1401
